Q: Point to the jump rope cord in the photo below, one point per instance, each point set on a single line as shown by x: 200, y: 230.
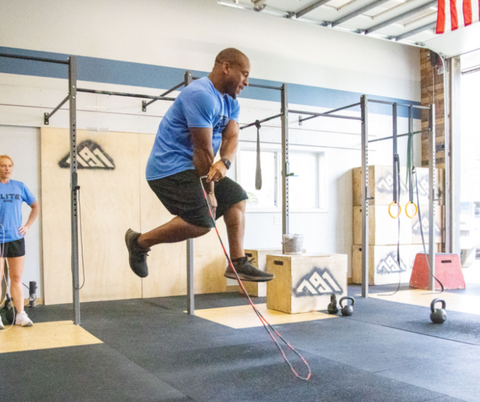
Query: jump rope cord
x: 270, y: 330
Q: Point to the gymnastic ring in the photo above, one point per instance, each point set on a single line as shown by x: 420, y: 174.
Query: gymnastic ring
x: 399, y: 209
x: 406, y: 209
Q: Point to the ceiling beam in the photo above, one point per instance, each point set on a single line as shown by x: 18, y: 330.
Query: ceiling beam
x: 358, y: 12
x: 401, y: 17
x: 415, y: 31
x: 311, y: 7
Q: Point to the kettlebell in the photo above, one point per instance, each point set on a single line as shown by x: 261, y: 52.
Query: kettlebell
x: 438, y: 315
x: 347, y: 310
x: 332, y: 307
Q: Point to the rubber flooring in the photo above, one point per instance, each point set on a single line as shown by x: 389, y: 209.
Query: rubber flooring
x: 151, y: 350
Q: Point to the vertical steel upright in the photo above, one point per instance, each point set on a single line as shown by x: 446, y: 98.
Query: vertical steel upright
x: 447, y: 235
x: 365, y: 194
x: 190, y: 282
x: 396, y: 163
x: 72, y: 85
x: 285, y: 164
x: 432, y: 192
x: 454, y: 107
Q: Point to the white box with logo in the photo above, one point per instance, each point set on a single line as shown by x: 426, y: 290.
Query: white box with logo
x: 304, y: 283
x: 383, y: 266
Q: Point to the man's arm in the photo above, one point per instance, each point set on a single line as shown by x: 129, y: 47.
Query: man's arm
x: 202, y: 149
x: 228, y: 150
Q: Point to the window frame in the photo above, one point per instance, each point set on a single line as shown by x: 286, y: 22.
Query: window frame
x: 321, y: 190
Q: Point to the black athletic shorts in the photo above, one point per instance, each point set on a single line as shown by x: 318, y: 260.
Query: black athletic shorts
x: 13, y: 249
x: 182, y: 195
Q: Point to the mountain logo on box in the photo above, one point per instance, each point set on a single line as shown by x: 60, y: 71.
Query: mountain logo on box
x: 425, y: 226
x: 317, y: 282
x: 390, y: 265
x: 90, y: 155
x: 385, y: 184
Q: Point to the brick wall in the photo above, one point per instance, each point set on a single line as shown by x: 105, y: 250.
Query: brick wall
x: 432, y: 89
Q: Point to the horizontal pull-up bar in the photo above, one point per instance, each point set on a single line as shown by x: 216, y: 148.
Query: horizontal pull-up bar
x: 261, y: 121
x: 389, y: 138
x: 264, y: 86
x: 46, y: 116
x: 145, y: 103
x: 327, y: 114
x: 94, y: 91
x: 15, y: 56
x: 398, y: 104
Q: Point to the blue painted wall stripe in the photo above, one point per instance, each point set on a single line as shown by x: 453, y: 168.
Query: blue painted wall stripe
x: 151, y: 76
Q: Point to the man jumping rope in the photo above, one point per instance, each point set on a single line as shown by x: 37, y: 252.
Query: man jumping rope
x: 202, y: 120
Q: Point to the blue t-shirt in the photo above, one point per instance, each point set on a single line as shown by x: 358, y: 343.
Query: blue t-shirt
x: 12, y: 195
x: 200, y: 104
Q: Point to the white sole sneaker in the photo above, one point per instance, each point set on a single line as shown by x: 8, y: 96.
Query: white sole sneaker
x: 23, y: 320
x: 1, y: 324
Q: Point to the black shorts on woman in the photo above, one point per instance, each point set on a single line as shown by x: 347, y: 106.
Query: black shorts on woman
x: 182, y: 195
x: 13, y: 249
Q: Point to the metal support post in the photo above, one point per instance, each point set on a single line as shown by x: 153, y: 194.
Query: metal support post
x: 396, y: 162
x: 447, y: 233
x: 410, y: 154
x: 285, y: 164
x: 190, y: 288
x: 72, y: 83
x: 432, y: 191
x: 455, y: 161
x: 365, y: 195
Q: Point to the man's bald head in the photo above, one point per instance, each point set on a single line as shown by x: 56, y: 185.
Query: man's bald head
x: 230, y: 72
x: 232, y: 56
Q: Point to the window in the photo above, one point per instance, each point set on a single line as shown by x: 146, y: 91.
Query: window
x: 306, y: 185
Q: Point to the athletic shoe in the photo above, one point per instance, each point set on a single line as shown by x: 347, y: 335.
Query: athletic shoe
x: 247, y: 272
x: 137, y: 257
x: 23, y: 320
x: 1, y: 324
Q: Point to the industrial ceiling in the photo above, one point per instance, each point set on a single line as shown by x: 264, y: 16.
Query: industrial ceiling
x: 407, y: 21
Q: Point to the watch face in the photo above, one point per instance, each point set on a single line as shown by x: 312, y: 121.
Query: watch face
x: 226, y: 162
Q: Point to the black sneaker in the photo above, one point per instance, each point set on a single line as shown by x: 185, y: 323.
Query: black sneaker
x: 137, y: 256
x: 247, y: 272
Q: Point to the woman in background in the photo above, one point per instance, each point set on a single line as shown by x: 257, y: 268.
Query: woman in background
x: 12, y: 232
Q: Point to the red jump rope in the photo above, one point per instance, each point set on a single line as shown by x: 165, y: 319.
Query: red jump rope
x: 270, y: 330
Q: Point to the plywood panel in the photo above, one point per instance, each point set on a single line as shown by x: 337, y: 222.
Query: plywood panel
x: 167, y: 262
x: 110, y: 204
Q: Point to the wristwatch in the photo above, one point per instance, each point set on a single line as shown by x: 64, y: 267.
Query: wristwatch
x: 226, y: 162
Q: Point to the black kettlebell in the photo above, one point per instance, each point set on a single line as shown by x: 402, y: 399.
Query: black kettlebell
x: 332, y: 307
x: 438, y: 315
x: 347, y: 310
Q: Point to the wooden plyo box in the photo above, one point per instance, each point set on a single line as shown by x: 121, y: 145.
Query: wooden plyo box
x: 381, y: 185
x: 382, y: 228
x: 383, y: 268
x: 382, y: 265
x: 304, y: 283
x: 439, y: 225
x: 258, y: 289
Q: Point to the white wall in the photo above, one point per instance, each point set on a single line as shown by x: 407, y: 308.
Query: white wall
x: 187, y: 34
